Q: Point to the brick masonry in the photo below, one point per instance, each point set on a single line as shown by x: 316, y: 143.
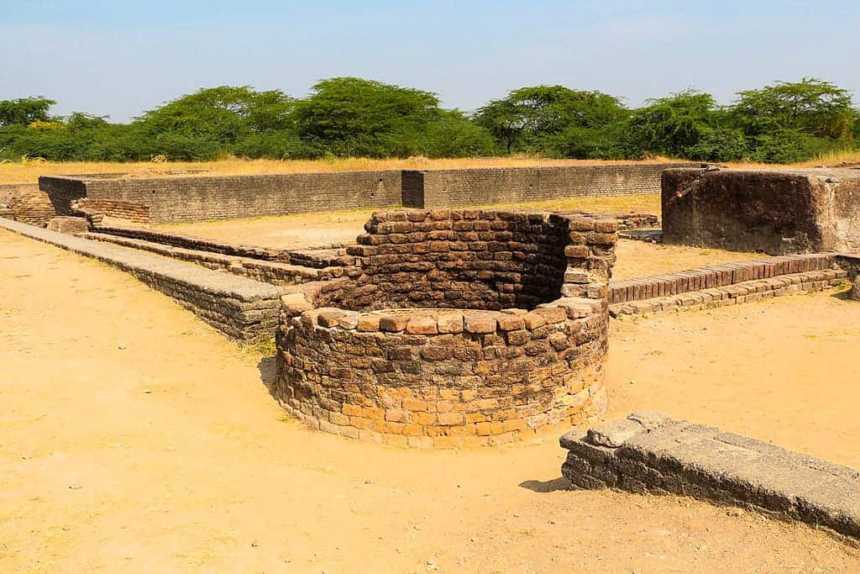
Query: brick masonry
x: 71, y: 225
x: 773, y: 211
x: 455, y: 327
x: 746, y: 292
x: 456, y: 188
x: 651, y: 453
x: 27, y: 204
x: 715, y: 276
x: 201, y: 197
x: 273, y: 272
x: 239, y: 307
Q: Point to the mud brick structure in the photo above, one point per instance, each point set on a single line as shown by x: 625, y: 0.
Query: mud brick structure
x: 9, y: 191
x: 461, y: 187
x: 454, y: 327
x: 774, y: 211
x: 197, y: 197
x: 27, y: 204
x: 201, y: 197
x: 649, y: 452
x: 117, y: 209
x: 65, y: 224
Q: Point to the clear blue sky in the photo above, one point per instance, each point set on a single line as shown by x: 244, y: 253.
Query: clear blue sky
x: 121, y: 57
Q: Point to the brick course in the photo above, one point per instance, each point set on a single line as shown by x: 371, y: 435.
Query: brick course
x: 455, y: 327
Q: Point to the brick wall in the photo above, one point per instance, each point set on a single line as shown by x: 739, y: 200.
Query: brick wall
x: 116, y: 209
x: 8, y: 191
x: 453, y: 188
x: 454, y: 327
x: 220, y: 197
x: 196, y: 198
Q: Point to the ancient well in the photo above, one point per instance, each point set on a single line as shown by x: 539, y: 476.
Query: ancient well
x: 453, y: 327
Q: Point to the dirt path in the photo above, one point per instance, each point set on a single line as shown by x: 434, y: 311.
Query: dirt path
x: 133, y: 438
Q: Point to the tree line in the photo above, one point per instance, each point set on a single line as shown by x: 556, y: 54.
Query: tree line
x: 783, y: 122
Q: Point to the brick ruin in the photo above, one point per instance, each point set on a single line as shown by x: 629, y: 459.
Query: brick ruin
x: 454, y: 327
x: 198, y: 197
x: 772, y: 211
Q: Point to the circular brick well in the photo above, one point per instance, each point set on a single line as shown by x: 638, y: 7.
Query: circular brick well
x: 453, y: 328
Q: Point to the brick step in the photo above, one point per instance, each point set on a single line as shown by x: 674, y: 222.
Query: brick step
x: 271, y: 272
x: 743, y: 292
x: 714, y: 276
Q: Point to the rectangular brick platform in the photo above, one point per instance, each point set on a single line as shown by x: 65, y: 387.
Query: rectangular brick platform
x: 651, y: 453
x: 239, y: 307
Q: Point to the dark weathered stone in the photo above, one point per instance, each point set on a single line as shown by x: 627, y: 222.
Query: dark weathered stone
x: 774, y: 211
x: 649, y: 452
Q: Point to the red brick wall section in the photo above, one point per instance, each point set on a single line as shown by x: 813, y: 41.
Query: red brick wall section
x: 116, y: 209
x: 455, y: 328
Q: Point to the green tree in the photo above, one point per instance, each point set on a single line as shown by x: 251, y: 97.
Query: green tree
x: 24, y: 111
x: 453, y: 135
x: 811, y: 106
x: 530, y: 119
x: 355, y: 117
x: 674, y: 124
x: 220, y: 116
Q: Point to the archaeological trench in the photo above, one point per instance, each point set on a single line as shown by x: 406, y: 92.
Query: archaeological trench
x: 450, y: 326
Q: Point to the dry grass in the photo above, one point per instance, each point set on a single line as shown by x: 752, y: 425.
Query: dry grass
x: 29, y: 171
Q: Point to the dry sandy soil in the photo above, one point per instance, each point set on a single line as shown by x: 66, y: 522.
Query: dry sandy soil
x: 134, y: 438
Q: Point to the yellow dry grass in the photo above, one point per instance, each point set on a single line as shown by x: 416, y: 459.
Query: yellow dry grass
x: 28, y: 171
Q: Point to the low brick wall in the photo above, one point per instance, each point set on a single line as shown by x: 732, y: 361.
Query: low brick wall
x: 164, y: 199
x: 462, y: 187
x: 199, y: 197
x: 239, y: 307
x: 273, y: 272
x: 746, y: 292
x: 651, y: 453
x: 9, y: 191
x: 714, y: 276
x: 65, y: 224
x: 29, y: 205
x: 454, y: 327
x: 115, y: 209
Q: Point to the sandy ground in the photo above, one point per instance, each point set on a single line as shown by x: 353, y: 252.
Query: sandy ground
x: 134, y: 438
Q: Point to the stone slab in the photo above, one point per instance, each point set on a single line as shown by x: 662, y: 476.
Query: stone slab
x: 652, y: 453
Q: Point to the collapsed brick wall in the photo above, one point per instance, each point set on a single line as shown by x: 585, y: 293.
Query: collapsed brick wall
x: 776, y: 212
x: 507, y: 335
x: 9, y: 191
x: 29, y: 205
x: 116, y: 209
x: 461, y: 187
x: 195, y: 198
